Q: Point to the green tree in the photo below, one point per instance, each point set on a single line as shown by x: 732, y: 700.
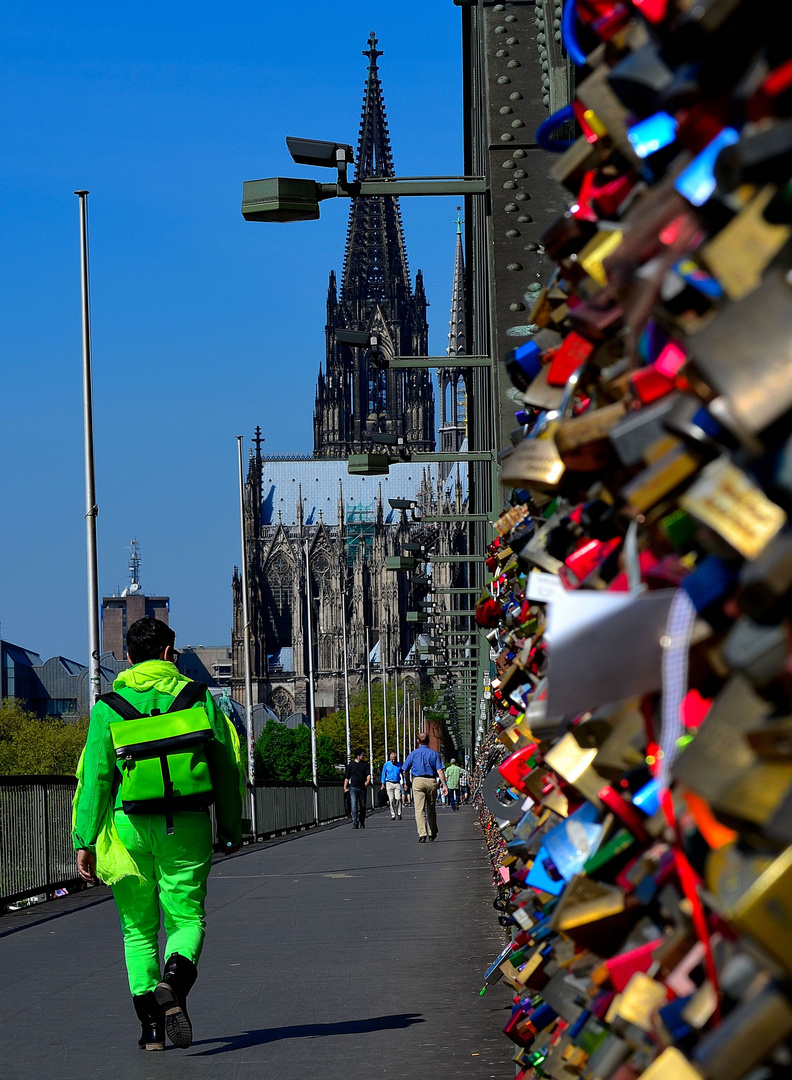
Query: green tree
x: 32, y: 746
x: 334, y: 725
x: 283, y: 753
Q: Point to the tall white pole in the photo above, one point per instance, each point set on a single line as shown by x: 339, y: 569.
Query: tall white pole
x: 246, y: 652
x: 91, y: 509
x: 401, y: 755
x: 385, y: 702
x: 311, y: 690
x: 371, y: 737
x: 400, y: 716
x: 346, y: 674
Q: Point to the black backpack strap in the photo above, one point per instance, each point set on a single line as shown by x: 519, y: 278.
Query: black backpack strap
x: 120, y: 705
x: 190, y: 694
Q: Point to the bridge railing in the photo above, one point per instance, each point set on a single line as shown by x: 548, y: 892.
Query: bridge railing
x: 36, y: 853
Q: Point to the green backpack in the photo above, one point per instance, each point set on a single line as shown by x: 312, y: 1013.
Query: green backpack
x: 164, y: 766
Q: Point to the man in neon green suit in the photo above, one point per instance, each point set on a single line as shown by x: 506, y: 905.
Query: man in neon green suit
x: 154, y: 860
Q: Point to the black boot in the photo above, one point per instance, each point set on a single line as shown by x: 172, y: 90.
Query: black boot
x: 152, y: 1022
x: 171, y: 994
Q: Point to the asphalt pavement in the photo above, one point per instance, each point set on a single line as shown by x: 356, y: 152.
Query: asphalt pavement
x: 333, y: 953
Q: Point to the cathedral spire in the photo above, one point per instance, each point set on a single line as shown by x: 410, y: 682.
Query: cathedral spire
x: 355, y: 399
x: 453, y: 391
x: 375, y: 264
x: 457, y: 333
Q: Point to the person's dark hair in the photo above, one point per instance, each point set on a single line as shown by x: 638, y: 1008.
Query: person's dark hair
x: 146, y: 638
x: 359, y: 753
x: 423, y: 739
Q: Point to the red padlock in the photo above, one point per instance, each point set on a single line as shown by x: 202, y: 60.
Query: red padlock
x: 517, y: 766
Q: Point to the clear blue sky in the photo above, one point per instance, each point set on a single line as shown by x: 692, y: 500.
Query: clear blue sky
x: 204, y: 325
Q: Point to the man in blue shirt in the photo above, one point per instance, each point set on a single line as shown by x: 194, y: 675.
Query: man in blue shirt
x: 391, y: 780
x: 422, y: 768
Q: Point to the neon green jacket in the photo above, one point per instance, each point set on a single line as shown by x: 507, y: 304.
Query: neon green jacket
x: 152, y: 684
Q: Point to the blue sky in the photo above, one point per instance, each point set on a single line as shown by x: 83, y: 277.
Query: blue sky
x: 203, y: 325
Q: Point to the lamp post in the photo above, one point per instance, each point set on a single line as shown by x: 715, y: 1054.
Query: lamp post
x: 401, y: 756
x: 282, y: 198
x: 385, y: 702
x: 368, y: 691
x: 346, y: 675
x: 311, y: 688
x: 246, y: 652
x: 90, y: 481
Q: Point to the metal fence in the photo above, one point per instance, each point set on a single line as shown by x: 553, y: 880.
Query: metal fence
x: 36, y: 853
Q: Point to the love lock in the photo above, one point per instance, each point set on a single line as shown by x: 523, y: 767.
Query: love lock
x: 500, y: 802
x: 536, y: 462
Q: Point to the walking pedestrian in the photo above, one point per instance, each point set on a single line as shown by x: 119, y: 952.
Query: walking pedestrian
x: 452, y: 779
x: 356, y: 780
x: 158, y: 753
x: 422, y: 769
x: 464, y: 786
x: 391, y: 779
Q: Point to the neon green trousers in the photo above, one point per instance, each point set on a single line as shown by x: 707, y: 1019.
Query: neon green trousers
x: 175, y: 869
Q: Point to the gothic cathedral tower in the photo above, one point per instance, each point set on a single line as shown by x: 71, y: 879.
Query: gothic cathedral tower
x: 353, y: 397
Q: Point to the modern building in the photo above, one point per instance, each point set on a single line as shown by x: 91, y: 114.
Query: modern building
x: 121, y: 610
x: 55, y: 687
x: 210, y: 664
x: 65, y: 685
x: 18, y: 672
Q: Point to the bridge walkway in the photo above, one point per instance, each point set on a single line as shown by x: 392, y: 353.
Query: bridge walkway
x: 333, y: 953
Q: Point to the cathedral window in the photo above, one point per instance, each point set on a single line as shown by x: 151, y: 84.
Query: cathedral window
x: 279, y: 576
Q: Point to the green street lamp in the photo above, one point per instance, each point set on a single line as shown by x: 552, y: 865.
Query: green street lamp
x: 283, y: 199
x: 400, y: 563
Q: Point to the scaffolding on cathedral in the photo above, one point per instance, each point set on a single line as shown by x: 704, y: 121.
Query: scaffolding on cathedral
x: 360, y: 531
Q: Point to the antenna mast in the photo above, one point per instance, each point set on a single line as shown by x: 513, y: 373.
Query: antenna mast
x: 134, y: 567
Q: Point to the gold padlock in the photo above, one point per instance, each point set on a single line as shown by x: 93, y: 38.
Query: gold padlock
x: 536, y: 462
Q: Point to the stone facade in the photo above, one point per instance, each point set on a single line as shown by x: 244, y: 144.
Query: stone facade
x: 345, y: 559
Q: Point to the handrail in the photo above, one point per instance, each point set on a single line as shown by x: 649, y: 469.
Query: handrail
x: 36, y: 855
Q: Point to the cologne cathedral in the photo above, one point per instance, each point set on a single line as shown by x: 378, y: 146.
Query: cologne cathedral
x: 317, y: 539
x: 353, y: 397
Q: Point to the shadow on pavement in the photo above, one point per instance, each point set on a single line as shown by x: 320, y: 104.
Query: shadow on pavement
x: 309, y: 1031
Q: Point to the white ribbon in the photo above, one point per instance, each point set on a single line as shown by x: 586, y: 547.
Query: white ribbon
x: 676, y: 647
